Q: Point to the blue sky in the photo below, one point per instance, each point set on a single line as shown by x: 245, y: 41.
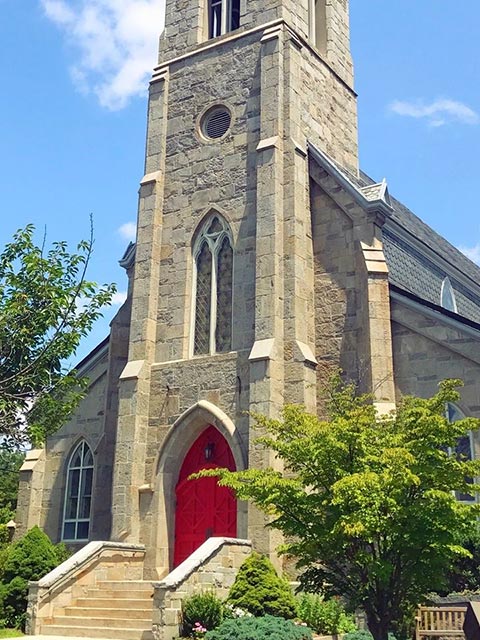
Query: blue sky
x: 73, y: 104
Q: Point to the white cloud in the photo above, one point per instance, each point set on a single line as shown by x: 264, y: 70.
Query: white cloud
x: 119, y: 298
x: 128, y: 231
x: 437, y: 113
x: 472, y: 252
x: 115, y: 43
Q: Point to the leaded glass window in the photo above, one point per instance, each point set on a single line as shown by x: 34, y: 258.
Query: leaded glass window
x: 78, y: 494
x: 213, y: 256
x: 463, y: 450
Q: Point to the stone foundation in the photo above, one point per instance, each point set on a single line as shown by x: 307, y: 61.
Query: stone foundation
x: 212, y: 567
x: 97, y: 562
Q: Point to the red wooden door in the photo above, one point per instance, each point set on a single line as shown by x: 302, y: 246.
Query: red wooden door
x: 203, y: 508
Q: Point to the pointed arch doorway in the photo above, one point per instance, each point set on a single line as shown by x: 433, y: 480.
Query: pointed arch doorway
x: 203, y: 509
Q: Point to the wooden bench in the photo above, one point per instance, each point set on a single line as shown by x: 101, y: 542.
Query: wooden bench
x: 440, y: 622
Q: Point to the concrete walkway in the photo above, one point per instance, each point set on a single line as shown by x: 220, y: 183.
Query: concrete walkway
x: 86, y: 637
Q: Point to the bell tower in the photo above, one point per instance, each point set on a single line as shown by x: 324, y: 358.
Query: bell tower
x: 223, y: 290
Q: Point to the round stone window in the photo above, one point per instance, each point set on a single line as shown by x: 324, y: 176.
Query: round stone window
x: 216, y: 122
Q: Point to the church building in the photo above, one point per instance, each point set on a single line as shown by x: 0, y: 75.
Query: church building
x: 265, y: 259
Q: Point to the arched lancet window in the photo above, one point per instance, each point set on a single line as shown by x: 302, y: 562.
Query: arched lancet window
x: 447, y: 296
x: 223, y: 16
x: 78, y: 495
x: 464, y: 448
x: 318, y: 24
x: 213, y: 256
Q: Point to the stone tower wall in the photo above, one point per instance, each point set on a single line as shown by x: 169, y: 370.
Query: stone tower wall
x: 281, y: 93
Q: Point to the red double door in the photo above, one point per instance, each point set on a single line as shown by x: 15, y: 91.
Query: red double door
x: 203, y: 509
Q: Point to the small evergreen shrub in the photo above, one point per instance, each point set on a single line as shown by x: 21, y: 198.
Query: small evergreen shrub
x: 265, y: 628
x: 363, y: 635
x: 259, y: 590
x: 14, y: 603
x: 203, y: 609
x: 326, y: 617
x: 30, y: 558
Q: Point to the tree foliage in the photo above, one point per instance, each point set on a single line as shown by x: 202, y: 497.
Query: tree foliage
x: 30, y: 558
x: 464, y: 575
x: 46, y: 307
x: 367, y: 502
x: 10, y: 463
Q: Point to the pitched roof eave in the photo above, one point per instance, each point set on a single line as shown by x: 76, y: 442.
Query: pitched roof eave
x: 435, y: 311
x: 379, y: 203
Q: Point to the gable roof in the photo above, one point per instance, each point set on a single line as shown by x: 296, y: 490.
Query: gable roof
x: 419, y: 259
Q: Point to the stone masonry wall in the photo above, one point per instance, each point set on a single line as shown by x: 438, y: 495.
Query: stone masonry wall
x: 213, y: 566
x: 256, y: 176
x: 186, y: 27
x: 427, y: 351
x: 88, y: 424
x: 336, y: 288
x: 93, y: 564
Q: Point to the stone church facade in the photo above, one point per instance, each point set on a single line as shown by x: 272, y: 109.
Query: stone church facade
x: 264, y: 260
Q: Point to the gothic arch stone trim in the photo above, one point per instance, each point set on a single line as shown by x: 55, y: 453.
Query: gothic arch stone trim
x: 193, y: 421
x: 209, y: 212
x: 183, y: 433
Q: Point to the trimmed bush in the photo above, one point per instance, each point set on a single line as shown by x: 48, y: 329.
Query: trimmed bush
x: 203, y: 608
x: 259, y: 590
x: 326, y: 617
x: 30, y: 558
x: 265, y: 628
x: 13, y: 607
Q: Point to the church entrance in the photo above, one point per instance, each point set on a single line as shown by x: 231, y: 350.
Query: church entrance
x: 203, y: 508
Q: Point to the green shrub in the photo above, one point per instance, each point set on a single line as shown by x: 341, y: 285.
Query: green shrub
x: 62, y: 552
x: 204, y: 608
x: 13, y: 603
x: 363, y: 635
x: 326, y: 617
x: 30, y: 558
x: 259, y: 590
x: 265, y: 628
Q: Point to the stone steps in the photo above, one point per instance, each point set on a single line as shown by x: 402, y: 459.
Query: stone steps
x: 126, y: 603
x: 119, y: 611
x: 112, y: 623
x: 111, y: 594
x: 114, y: 610
x: 71, y: 631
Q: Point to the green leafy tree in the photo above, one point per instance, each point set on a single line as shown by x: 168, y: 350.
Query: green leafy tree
x: 367, y: 502
x: 46, y: 307
x: 260, y: 591
x: 10, y: 463
x: 464, y: 575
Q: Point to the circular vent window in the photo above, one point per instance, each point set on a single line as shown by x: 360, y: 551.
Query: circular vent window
x: 216, y: 122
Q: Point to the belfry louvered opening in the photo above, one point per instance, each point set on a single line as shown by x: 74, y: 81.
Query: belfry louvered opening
x: 216, y: 122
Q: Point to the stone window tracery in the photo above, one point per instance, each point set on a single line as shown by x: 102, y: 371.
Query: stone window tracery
x: 78, y: 494
x: 223, y: 16
x: 213, y: 259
